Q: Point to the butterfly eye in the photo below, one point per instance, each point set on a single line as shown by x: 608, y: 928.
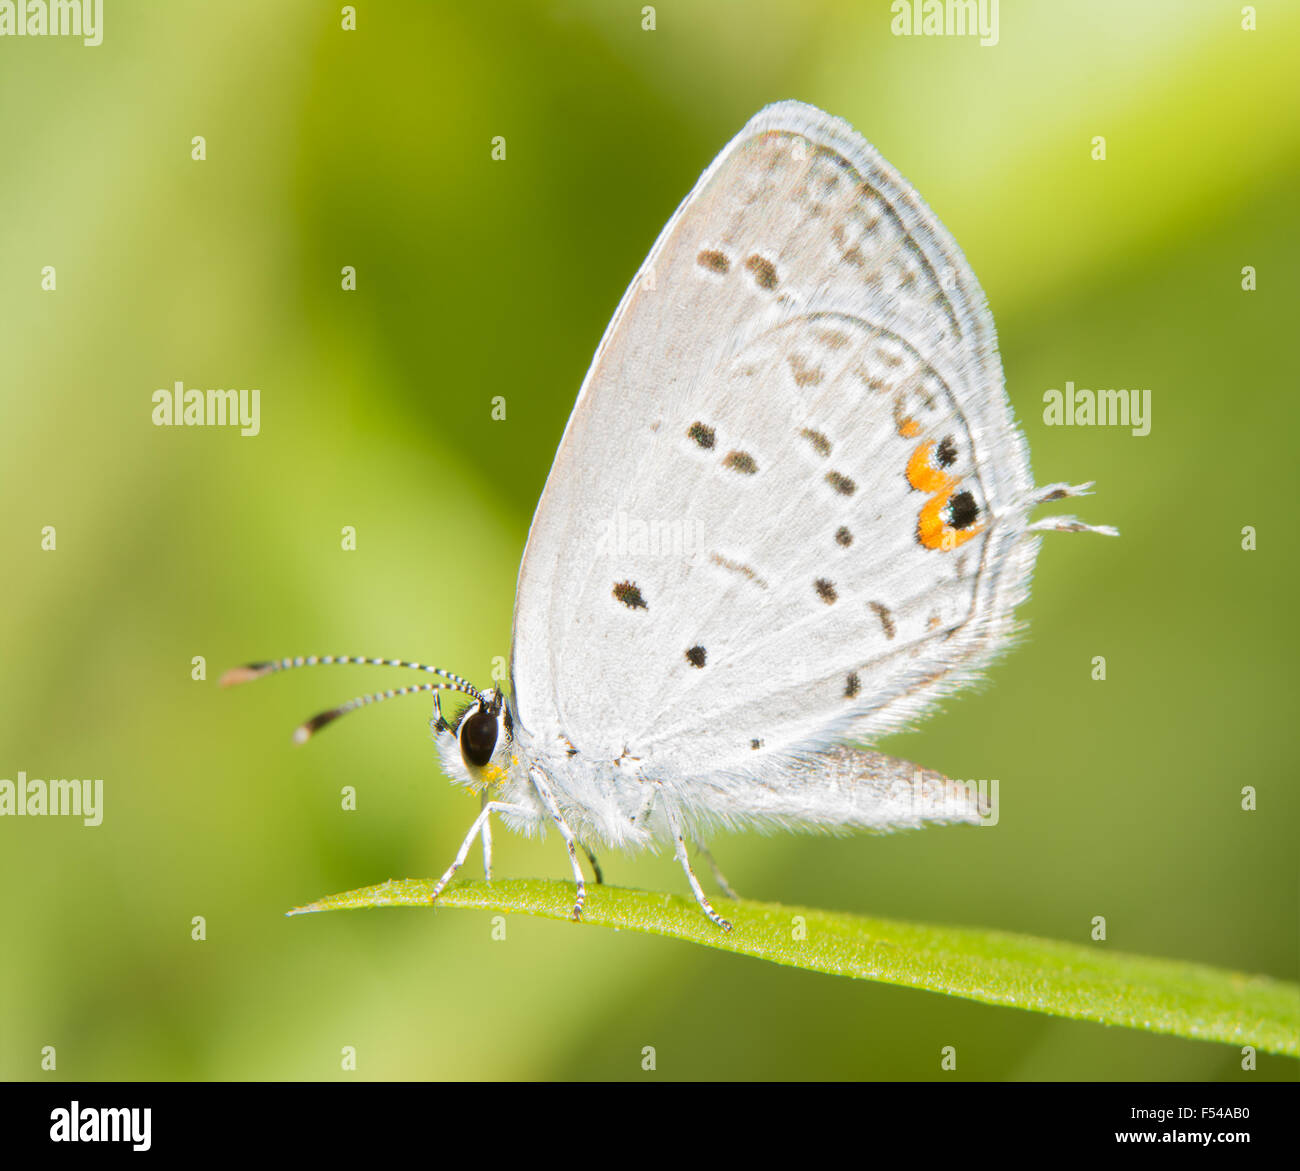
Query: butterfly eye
x: 478, y: 738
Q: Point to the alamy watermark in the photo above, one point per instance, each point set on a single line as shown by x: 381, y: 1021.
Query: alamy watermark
x: 76, y: 1123
x: 53, y: 18
x: 950, y: 799
x: 180, y: 407
x: 946, y: 18
x: 1081, y: 407
x: 33, y: 797
x: 625, y: 535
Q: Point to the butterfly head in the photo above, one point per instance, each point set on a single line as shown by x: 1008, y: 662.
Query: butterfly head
x: 477, y: 744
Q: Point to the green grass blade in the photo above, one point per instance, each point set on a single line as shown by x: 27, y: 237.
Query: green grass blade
x: 1082, y: 982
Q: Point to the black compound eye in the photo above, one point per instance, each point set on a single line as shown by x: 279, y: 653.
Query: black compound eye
x: 478, y: 738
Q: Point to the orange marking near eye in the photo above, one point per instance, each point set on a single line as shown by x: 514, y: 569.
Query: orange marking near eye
x: 924, y: 475
x: 936, y: 533
x: 909, y: 428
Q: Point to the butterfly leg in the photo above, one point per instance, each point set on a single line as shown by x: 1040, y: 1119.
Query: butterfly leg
x: 718, y: 876
x: 475, y: 831
x: 595, y: 866
x: 548, y: 799
x: 487, y: 841
x: 696, y: 889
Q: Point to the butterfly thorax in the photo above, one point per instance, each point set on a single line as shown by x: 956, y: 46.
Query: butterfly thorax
x: 607, y: 802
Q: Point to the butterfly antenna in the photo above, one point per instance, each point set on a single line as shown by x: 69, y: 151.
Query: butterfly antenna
x: 306, y: 730
x: 251, y: 671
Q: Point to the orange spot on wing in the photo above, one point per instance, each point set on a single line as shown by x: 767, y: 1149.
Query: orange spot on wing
x: 936, y: 533
x: 909, y: 428
x: 932, y: 530
x: 924, y: 475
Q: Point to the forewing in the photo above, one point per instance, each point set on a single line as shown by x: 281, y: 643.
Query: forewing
x: 750, y: 540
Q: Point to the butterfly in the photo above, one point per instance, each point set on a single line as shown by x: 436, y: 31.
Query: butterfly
x: 791, y: 511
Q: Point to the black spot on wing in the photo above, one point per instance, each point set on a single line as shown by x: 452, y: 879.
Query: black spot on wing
x: 843, y: 536
x: 963, y: 510
x: 825, y: 590
x: 841, y: 483
x: 696, y: 656
x: 821, y: 445
x: 764, y: 271
x: 627, y: 593
x: 740, y: 461
x: 703, y: 434
x: 713, y: 260
x: 886, y: 618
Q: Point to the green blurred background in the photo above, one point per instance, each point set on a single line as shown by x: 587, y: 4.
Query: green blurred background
x: 477, y: 278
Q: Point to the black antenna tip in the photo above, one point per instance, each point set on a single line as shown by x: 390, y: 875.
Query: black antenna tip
x: 245, y: 674
x: 308, y: 728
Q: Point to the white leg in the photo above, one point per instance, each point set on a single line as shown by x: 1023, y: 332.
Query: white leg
x: 474, y: 830
x: 487, y: 840
x: 548, y: 799
x: 718, y: 876
x: 698, y: 890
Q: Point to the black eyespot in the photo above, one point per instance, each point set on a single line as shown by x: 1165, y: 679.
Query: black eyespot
x: 963, y: 510
x: 946, y: 453
x: 478, y: 738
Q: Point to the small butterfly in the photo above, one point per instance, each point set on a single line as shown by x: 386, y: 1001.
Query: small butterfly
x: 790, y: 512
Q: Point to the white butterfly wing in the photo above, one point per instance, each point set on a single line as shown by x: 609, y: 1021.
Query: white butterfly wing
x: 744, y: 546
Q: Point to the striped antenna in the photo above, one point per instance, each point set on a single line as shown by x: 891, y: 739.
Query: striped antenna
x: 251, y: 671
x: 306, y: 730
